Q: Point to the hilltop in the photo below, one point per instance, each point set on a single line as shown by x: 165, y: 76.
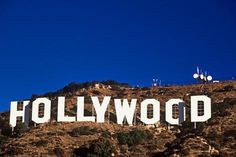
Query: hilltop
x: 216, y: 137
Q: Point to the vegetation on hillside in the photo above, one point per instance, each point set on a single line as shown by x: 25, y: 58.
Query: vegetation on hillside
x: 216, y: 137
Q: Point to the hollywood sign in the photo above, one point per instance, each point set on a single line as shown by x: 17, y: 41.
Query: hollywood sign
x: 124, y: 110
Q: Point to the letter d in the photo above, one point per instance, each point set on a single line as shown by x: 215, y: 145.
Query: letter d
x: 195, y: 117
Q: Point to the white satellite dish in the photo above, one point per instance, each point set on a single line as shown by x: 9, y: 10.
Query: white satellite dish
x: 209, y: 78
x: 202, y: 76
x: 195, y: 75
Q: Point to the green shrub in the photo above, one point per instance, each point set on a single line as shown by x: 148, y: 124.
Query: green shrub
x: 84, y: 130
x: 123, y: 137
x: 59, y: 152
x: 106, y: 134
x: 115, y: 87
x: 20, y: 129
x: 40, y: 143
x: 137, y: 136
x: 2, y: 139
x: 133, y: 137
x: 103, y: 148
x: 6, y: 131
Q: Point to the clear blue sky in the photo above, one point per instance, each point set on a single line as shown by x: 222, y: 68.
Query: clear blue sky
x: 47, y: 44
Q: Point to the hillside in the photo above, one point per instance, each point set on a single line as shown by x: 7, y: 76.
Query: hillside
x: 217, y: 137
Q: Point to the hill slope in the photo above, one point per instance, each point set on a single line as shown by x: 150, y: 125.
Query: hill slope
x: 217, y: 137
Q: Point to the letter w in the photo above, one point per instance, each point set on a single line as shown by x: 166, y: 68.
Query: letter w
x: 125, y: 110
